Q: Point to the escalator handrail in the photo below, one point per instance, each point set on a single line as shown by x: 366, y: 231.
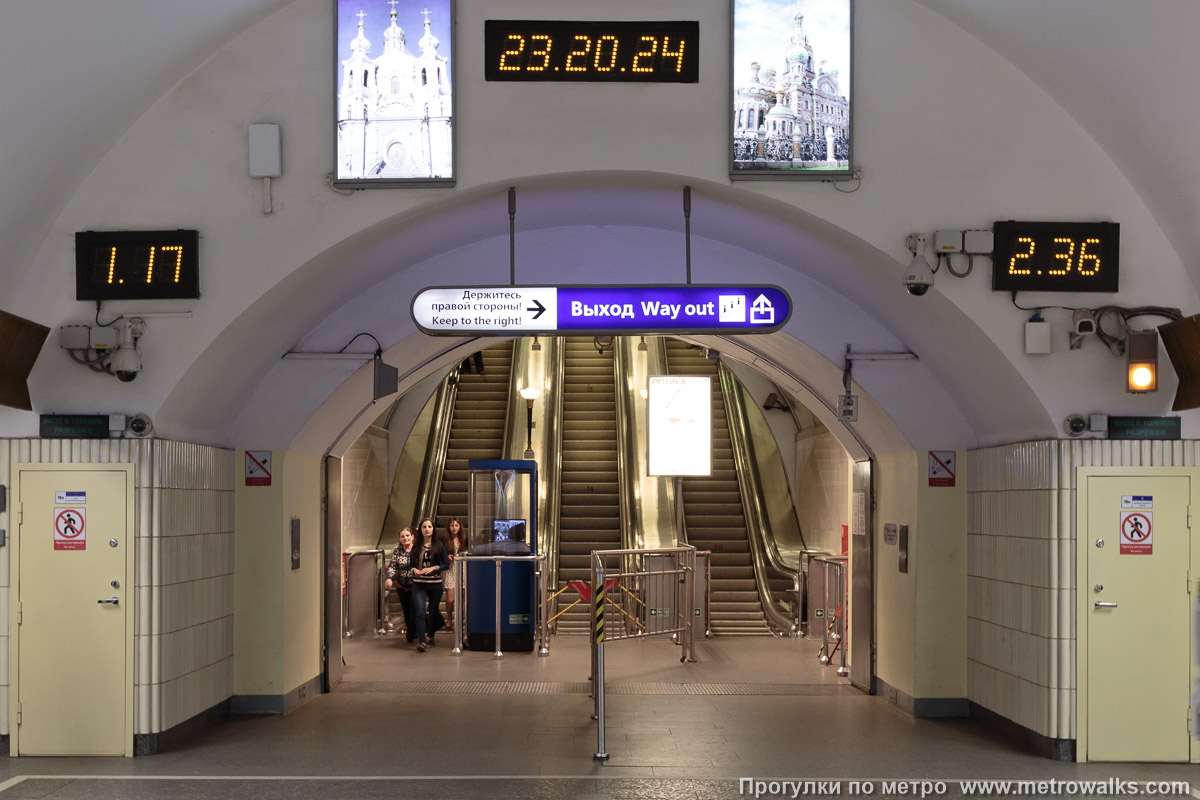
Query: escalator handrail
x: 758, y: 523
x: 547, y: 437
x: 633, y: 534
x: 774, y: 557
x: 430, y: 486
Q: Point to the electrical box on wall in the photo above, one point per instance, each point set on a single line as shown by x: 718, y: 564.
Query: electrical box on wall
x: 979, y: 243
x: 1037, y: 337
x: 265, y: 159
x: 75, y: 337
x: 947, y: 241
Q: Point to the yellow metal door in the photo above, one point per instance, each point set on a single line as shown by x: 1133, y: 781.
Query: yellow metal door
x: 73, y: 678
x: 1137, y: 616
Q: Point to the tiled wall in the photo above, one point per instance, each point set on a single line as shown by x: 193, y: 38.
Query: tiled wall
x: 183, y: 640
x: 195, y: 558
x: 1021, y: 572
x: 822, y: 490
x: 365, y: 492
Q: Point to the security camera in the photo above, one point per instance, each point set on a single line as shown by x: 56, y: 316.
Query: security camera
x: 1075, y: 425
x: 918, y: 278
x: 1084, y: 321
x: 126, y: 363
x: 140, y: 425
x: 918, y: 275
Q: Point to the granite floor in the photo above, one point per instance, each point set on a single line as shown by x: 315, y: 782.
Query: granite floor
x: 404, y: 724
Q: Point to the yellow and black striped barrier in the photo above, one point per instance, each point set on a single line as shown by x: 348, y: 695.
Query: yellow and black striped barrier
x: 598, y: 627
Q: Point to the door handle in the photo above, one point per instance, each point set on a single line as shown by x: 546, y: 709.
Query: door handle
x: 1098, y: 605
x: 110, y: 601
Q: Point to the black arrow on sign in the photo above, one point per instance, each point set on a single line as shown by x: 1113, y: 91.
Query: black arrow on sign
x: 540, y: 309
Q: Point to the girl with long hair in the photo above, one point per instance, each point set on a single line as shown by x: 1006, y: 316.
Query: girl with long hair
x: 455, y: 542
x: 430, y: 562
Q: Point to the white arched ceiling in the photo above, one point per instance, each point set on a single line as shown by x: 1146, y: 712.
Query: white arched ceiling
x: 75, y: 75
x: 949, y: 134
x: 605, y: 228
x: 1127, y: 73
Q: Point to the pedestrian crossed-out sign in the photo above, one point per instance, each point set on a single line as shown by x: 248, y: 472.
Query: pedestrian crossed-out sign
x: 70, y: 531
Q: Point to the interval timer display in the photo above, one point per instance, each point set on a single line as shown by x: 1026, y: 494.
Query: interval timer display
x: 1056, y: 256
x: 556, y: 50
x: 136, y: 265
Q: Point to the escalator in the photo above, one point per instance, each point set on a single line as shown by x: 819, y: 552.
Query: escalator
x: 590, y: 514
x: 476, y: 429
x: 588, y: 492
x: 713, y: 514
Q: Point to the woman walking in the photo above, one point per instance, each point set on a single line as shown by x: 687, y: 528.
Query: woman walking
x: 430, y: 563
x: 400, y: 578
x: 456, y: 544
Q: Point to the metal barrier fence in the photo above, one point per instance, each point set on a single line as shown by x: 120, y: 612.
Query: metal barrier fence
x: 364, y: 605
x: 640, y: 580
x: 833, y: 579
x: 460, y: 601
x: 800, y: 585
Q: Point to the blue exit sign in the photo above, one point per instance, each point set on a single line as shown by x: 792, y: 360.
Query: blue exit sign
x: 687, y: 308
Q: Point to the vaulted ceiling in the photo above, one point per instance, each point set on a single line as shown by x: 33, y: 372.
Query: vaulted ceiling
x: 75, y: 75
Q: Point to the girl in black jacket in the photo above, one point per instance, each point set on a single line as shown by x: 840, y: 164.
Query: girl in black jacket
x: 429, y: 563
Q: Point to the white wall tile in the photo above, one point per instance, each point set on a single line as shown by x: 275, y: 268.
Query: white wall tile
x: 193, y: 556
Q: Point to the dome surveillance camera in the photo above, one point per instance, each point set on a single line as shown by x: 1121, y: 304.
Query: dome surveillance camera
x: 140, y: 425
x: 917, y: 279
x: 126, y: 363
x: 1075, y: 425
x: 918, y: 276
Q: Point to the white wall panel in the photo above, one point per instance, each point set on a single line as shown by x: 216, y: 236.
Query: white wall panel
x: 1021, y: 571
x: 183, y: 556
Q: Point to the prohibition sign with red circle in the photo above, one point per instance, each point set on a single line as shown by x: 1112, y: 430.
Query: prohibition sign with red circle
x: 69, y: 529
x: 1137, y: 533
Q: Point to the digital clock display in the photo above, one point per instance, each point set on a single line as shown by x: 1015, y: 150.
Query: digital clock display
x: 557, y: 50
x: 1056, y: 256
x: 136, y: 265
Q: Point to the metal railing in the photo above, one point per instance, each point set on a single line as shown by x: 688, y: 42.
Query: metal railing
x: 801, y: 588
x: 460, y: 600
x: 353, y: 590
x: 833, y: 579
x: 645, y: 581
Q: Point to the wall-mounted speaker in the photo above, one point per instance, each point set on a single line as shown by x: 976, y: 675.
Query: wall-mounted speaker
x: 387, y: 379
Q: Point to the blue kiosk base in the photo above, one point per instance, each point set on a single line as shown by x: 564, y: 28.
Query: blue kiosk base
x: 516, y: 607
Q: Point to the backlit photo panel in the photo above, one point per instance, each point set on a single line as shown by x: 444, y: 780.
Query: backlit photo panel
x: 395, y: 98
x: 791, y: 89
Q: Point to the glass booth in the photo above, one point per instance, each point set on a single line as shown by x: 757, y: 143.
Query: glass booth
x: 501, y: 520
